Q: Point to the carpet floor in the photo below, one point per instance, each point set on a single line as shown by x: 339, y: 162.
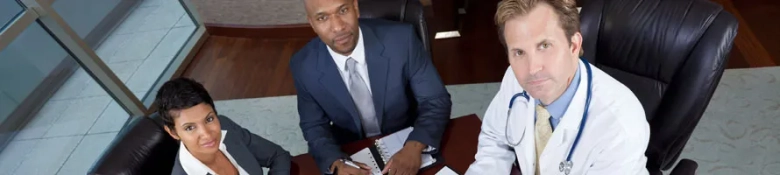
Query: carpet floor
x: 251, y: 12
x: 738, y: 134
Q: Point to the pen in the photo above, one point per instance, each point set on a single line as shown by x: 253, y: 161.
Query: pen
x: 352, y: 164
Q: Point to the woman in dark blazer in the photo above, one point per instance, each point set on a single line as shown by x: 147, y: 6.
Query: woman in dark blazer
x: 210, y: 143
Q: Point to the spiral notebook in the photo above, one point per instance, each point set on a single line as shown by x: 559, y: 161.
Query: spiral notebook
x: 384, y: 148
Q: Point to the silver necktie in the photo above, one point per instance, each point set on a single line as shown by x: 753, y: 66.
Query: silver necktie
x: 363, y: 101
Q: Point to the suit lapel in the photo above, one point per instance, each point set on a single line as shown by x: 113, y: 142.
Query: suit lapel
x: 377, y: 69
x: 242, y: 155
x: 177, y: 167
x: 332, y: 81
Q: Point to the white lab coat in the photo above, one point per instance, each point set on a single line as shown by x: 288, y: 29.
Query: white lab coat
x: 613, y: 141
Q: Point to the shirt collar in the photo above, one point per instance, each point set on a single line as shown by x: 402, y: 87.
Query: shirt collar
x: 358, y: 53
x: 192, y: 165
x: 558, y: 107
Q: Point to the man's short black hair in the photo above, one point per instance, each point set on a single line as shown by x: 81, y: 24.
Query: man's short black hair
x: 179, y: 94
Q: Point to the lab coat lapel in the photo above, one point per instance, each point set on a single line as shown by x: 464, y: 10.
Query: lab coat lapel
x: 528, y: 145
x: 563, y: 137
x: 529, y: 142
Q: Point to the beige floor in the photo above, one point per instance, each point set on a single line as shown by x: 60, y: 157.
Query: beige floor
x: 739, y: 133
x: 255, y: 12
x: 251, y: 12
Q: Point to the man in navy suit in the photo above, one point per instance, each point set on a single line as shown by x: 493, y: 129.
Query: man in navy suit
x: 365, y: 78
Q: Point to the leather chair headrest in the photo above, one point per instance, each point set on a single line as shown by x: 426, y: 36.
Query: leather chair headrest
x: 408, y: 11
x: 141, y: 147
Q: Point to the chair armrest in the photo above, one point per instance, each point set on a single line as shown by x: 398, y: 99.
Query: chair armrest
x: 685, y: 167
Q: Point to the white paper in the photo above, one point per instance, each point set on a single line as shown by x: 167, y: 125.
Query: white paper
x: 365, y: 156
x: 446, y: 171
x: 393, y: 143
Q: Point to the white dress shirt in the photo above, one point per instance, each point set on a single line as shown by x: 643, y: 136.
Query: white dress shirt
x: 359, y: 54
x: 191, y: 165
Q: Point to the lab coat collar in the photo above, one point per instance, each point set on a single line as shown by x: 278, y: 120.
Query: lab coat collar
x: 569, y: 124
x: 561, y: 140
x: 559, y: 107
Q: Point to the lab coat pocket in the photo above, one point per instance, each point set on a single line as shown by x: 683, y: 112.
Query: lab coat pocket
x: 589, y: 160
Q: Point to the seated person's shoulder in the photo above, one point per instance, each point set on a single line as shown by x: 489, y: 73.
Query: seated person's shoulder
x: 227, y: 123
x: 308, y: 50
x: 306, y: 54
x: 617, y: 104
x: 233, y: 129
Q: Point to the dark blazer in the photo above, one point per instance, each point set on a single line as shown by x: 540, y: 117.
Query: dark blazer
x: 250, y: 151
x: 406, y: 89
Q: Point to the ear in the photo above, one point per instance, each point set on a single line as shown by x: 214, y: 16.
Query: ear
x: 357, y: 9
x: 308, y: 19
x: 576, y: 44
x: 172, y: 133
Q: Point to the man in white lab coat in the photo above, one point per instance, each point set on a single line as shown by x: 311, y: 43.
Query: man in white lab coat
x: 560, y: 96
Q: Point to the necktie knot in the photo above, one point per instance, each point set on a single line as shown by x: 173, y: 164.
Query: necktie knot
x: 542, y: 113
x: 350, y: 64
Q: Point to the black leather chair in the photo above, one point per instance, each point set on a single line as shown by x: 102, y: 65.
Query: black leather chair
x: 141, y: 147
x: 408, y: 11
x: 671, y: 54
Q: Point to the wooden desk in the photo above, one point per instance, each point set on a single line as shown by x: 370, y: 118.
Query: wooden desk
x: 458, y: 147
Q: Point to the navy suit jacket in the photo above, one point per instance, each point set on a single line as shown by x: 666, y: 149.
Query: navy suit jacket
x: 406, y: 89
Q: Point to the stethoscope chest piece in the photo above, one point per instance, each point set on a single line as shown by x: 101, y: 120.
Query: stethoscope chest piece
x: 565, y: 167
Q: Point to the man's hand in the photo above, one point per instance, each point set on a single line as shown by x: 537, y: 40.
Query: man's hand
x: 344, y: 169
x: 406, y: 161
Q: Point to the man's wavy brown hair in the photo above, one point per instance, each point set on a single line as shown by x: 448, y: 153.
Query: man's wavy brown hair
x: 568, y: 17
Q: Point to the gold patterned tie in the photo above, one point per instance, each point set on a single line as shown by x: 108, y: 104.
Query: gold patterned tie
x: 543, y: 132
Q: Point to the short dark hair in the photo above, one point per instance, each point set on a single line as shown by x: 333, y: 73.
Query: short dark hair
x: 178, y: 94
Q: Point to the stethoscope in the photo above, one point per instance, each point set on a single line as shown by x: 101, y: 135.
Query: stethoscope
x: 564, y: 166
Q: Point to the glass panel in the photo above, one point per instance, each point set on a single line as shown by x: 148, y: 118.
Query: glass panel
x: 9, y: 9
x: 147, y: 35
x: 51, y: 122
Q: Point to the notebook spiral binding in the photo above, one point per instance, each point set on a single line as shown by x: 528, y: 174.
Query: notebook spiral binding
x: 382, y: 150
